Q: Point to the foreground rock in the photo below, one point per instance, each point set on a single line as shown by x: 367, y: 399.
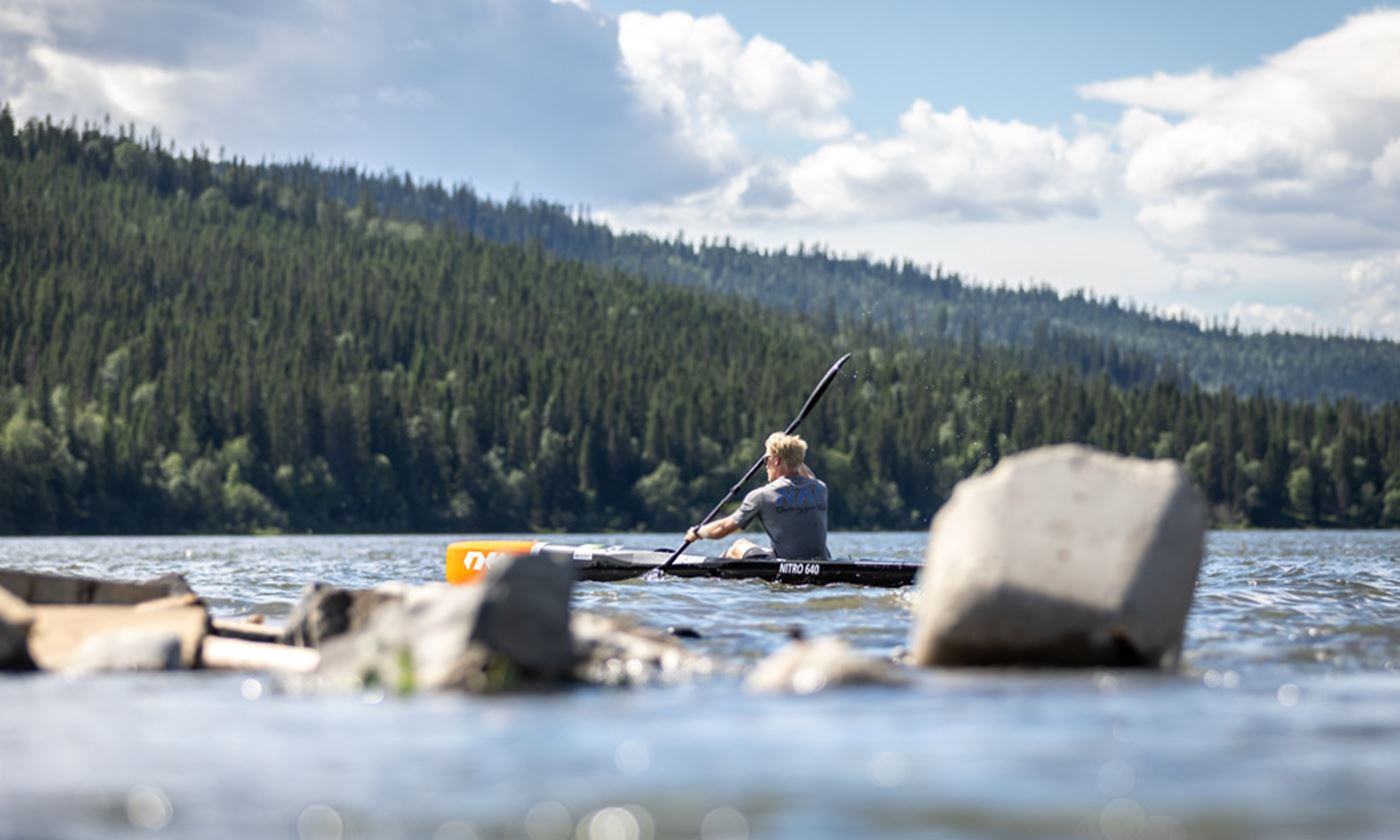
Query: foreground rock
x: 511, y: 631
x: 1062, y: 556
x: 40, y: 589
x: 127, y: 649
x: 119, y: 638
x: 805, y: 667
x: 16, y: 618
x: 610, y: 651
x: 326, y: 611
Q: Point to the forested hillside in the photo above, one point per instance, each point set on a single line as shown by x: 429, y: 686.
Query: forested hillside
x: 198, y: 347
x: 1090, y: 334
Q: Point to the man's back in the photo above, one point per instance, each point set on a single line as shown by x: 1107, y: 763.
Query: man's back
x: 792, y: 511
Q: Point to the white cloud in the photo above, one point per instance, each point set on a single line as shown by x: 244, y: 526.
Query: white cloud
x: 1265, y: 317
x: 1373, y: 307
x: 954, y: 165
x: 1206, y: 278
x: 1160, y: 92
x: 1296, y: 155
x: 701, y: 73
x: 505, y: 94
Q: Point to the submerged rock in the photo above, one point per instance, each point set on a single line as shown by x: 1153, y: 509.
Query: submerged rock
x: 805, y: 667
x: 1062, y: 556
x: 613, y: 651
x: 510, y: 631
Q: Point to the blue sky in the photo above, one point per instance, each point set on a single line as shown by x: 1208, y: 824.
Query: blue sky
x: 1012, y: 60
x: 1236, y: 161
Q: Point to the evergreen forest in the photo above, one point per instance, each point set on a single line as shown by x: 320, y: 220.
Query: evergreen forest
x: 926, y: 304
x: 190, y: 345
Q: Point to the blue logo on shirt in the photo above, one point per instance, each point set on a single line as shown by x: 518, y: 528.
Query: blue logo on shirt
x: 794, y: 497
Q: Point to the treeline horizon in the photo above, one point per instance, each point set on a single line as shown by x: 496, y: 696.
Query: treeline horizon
x: 193, y: 347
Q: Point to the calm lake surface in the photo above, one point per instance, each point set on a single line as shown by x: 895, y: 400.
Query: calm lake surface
x: 1283, y: 722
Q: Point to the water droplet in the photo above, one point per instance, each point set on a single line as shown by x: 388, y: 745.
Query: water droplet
x: 1230, y: 680
x: 1106, y: 683
x: 1122, y: 819
x: 1289, y: 694
x: 549, y: 821
x: 615, y: 823
x: 1211, y: 678
x: 320, y: 822
x: 456, y: 830
x: 252, y: 689
x: 149, y: 807
x: 724, y: 824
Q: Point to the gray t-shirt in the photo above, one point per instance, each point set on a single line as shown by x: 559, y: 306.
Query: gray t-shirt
x: 792, y: 511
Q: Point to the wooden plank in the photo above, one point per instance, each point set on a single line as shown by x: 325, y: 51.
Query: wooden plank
x: 242, y: 655
x: 59, y: 630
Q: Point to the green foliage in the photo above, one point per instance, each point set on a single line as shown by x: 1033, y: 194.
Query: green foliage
x: 193, y: 346
x: 1041, y: 328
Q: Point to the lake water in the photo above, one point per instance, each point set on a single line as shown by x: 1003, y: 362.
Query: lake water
x: 1283, y: 722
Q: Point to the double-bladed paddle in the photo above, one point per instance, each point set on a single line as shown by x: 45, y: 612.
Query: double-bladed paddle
x: 792, y: 427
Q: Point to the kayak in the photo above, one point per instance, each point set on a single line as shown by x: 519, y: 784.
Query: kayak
x: 469, y: 559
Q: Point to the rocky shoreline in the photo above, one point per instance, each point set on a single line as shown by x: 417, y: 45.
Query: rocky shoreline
x: 1059, y: 557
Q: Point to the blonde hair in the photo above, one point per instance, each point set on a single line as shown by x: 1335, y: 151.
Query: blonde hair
x: 790, y: 450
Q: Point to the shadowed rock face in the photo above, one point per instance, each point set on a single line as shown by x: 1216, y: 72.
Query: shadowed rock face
x: 1061, y: 556
x: 326, y: 611
x: 15, y: 620
x: 510, y: 631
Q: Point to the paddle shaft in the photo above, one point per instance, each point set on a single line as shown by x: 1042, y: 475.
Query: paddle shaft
x: 792, y: 427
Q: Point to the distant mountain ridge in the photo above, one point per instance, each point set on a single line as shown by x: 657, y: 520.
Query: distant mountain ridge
x: 1132, y: 345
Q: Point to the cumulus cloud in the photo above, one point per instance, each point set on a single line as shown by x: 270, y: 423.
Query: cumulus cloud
x: 502, y: 93
x: 1266, y: 317
x: 1163, y: 92
x: 701, y: 73
x: 954, y: 165
x: 1296, y: 155
x: 1373, y: 306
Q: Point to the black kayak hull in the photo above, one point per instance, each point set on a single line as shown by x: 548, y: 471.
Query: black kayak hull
x: 466, y: 560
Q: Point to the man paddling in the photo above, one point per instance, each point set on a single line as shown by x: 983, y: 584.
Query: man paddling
x: 791, y: 507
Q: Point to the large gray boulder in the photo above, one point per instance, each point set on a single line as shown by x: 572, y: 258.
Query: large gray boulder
x: 1061, y: 556
x: 510, y: 631
x: 806, y: 667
